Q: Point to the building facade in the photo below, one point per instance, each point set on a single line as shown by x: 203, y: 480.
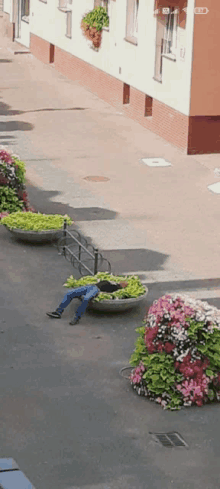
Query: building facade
x: 158, y: 62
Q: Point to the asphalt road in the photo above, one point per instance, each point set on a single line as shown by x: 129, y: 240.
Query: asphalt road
x: 67, y: 417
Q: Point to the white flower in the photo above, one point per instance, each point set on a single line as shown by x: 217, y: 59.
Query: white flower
x: 179, y: 334
x: 181, y: 357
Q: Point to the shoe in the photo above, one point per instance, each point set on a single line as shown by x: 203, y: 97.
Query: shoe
x: 54, y: 314
x: 74, y: 321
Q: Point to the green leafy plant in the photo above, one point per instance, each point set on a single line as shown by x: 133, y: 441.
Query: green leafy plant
x: 158, y: 373
x: 20, y: 170
x: 93, y: 23
x: 30, y: 221
x: 9, y: 202
x: 134, y: 288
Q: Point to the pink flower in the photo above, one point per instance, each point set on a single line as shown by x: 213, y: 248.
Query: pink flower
x: 4, y: 214
x: 169, y: 347
x: 199, y: 403
x: 160, y: 346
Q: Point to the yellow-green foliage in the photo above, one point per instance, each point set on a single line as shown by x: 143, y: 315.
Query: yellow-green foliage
x: 134, y: 288
x: 30, y: 221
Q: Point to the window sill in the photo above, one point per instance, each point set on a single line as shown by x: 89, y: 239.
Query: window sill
x: 25, y: 19
x: 157, y: 79
x: 64, y: 9
x: 131, y: 40
x: 172, y: 57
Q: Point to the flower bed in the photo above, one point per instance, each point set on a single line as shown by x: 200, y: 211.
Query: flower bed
x: 177, y: 356
x: 13, y: 195
x: 134, y: 288
x: 35, y: 222
x: 35, y: 228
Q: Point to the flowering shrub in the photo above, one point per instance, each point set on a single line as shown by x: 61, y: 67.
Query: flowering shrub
x: 134, y: 288
x: 13, y: 195
x: 177, y: 355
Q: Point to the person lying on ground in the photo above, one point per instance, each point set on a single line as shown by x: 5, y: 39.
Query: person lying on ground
x: 85, y: 294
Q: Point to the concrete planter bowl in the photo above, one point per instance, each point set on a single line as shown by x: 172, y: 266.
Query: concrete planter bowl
x: 117, y: 305
x: 35, y: 236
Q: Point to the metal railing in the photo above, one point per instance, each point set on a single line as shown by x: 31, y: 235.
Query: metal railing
x: 74, y: 247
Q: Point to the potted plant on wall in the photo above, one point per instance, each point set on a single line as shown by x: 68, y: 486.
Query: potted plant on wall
x: 93, y: 23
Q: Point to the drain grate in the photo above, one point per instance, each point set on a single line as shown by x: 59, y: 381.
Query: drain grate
x: 169, y: 440
x: 97, y: 179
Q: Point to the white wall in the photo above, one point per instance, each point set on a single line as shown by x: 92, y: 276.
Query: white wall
x: 25, y: 34
x: 7, y: 6
x: 136, y: 62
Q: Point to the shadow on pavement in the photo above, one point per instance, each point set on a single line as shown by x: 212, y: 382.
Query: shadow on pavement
x: 5, y: 109
x: 8, y: 137
x: 15, y: 126
x: 40, y: 199
x: 124, y: 260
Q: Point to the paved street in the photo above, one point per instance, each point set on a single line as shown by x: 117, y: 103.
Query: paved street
x: 67, y: 417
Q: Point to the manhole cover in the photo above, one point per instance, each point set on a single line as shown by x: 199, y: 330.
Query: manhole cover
x: 169, y: 439
x: 155, y: 162
x: 97, y: 179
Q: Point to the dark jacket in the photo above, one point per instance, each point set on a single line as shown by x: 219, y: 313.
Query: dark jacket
x: 106, y: 286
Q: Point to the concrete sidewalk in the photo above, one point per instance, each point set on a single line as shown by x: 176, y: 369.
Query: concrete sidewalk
x: 167, y: 216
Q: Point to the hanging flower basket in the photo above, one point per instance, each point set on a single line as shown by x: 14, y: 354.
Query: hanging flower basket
x: 93, y: 23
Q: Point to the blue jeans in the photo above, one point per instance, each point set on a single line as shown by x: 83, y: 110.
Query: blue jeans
x: 87, y: 292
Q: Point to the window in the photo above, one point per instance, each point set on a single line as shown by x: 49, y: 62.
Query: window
x: 132, y: 20
x: 148, y: 106
x: 25, y: 10
x: 126, y: 94
x: 69, y: 24
x: 170, y: 31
